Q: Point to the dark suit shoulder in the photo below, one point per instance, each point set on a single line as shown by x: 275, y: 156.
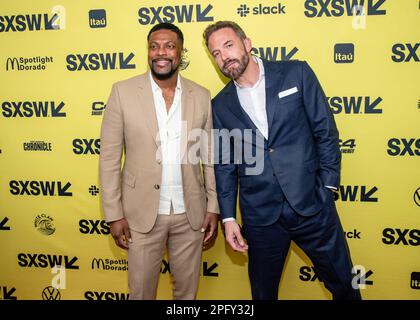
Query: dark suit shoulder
x: 221, y: 96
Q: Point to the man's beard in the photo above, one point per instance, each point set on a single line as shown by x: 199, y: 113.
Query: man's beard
x: 167, y: 75
x: 235, y: 73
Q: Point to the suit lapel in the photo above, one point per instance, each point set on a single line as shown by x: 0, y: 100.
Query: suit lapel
x: 187, y: 116
x: 234, y: 107
x: 147, y: 105
x: 273, y: 82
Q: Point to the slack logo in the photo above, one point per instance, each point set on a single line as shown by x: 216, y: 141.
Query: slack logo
x: 407, y: 237
x: 243, y: 10
x: 97, y: 18
x: 344, y: 53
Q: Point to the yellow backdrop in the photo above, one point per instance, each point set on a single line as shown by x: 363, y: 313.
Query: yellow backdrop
x: 58, y: 61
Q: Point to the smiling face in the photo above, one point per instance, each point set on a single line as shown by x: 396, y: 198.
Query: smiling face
x: 164, y: 53
x: 230, y: 52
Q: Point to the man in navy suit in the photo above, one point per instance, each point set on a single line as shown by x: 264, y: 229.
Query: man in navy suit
x: 286, y: 191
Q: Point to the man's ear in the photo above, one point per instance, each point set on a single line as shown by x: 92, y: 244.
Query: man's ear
x: 248, y: 44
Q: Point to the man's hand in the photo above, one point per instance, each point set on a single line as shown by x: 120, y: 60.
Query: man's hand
x: 234, y: 237
x: 121, y: 233
x: 209, y: 227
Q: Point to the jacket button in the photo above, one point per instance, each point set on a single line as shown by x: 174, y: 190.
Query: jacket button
x: 270, y: 150
x: 158, y: 161
x: 157, y: 186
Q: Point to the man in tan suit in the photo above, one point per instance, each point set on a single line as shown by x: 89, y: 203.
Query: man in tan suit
x: 162, y: 197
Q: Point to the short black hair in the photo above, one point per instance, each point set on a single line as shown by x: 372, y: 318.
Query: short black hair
x: 220, y: 25
x: 167, y: 26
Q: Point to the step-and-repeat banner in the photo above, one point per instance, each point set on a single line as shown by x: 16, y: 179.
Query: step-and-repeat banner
x: 58, y: 60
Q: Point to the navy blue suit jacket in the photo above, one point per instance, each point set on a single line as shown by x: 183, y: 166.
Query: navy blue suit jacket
x: 300, y: 157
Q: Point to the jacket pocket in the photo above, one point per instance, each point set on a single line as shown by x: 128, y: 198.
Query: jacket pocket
x: 129, y: 179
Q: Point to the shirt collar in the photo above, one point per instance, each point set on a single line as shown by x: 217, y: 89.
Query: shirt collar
x: 155, y: 87
x: 260, y: 77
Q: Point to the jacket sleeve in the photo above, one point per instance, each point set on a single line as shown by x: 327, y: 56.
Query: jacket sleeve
x: 208, y: 167
x: 226, y: 170
x: 112, y: 139
x: 323, y: 127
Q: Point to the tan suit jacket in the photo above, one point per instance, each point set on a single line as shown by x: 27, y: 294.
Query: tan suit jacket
x: 130, y: 129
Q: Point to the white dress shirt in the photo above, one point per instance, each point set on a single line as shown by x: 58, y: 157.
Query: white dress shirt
x: 171, y: 191
x: 252, y: 100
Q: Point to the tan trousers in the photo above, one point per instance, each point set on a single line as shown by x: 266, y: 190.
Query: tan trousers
x: 145, y: 255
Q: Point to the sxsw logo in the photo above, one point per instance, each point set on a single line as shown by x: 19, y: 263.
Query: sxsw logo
x: 347, y: 146
x: 98, y: 108
x: 35, y: 21
x: 173, y: 14
x: 355, y: 105
x: 29, y: 109
x: 93, y: 227
x: 404, y: 146
x: 308, y: 274
x: 100, y: 61
x: 40, y: 188
x: 415, y: 280
x: 3, y: 224
x: 275, y: 53
x: 40, y: 260
x: 207, y: 271
x: 7, y: 293
x: 344, y: 53
x: 407, y: 237
x: 95, y: 295
x: 86, y: 146
x: 243, y: 10
x: 356, y: 193
x: 405, y: 52
x: 339, y: 8
x: 97, y: 18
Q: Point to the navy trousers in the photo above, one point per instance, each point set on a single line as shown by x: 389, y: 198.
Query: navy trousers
x: 320, y: 236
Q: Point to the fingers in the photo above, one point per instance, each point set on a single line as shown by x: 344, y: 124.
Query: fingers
x: 235, y: 239
x: 210, y: 231
x: 121, y: 233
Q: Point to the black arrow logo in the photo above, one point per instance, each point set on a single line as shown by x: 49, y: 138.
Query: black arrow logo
x: 3, y: 224
x: 363, y: 277
x: 55, y: 111
x: 124, y: 63
x: 207, y: 271
x: 62, y: 191
x: 202, y: 15
x: 371, y: 107
x: 366, y: 196
x: 70, y: 264
x: 8, y: 294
